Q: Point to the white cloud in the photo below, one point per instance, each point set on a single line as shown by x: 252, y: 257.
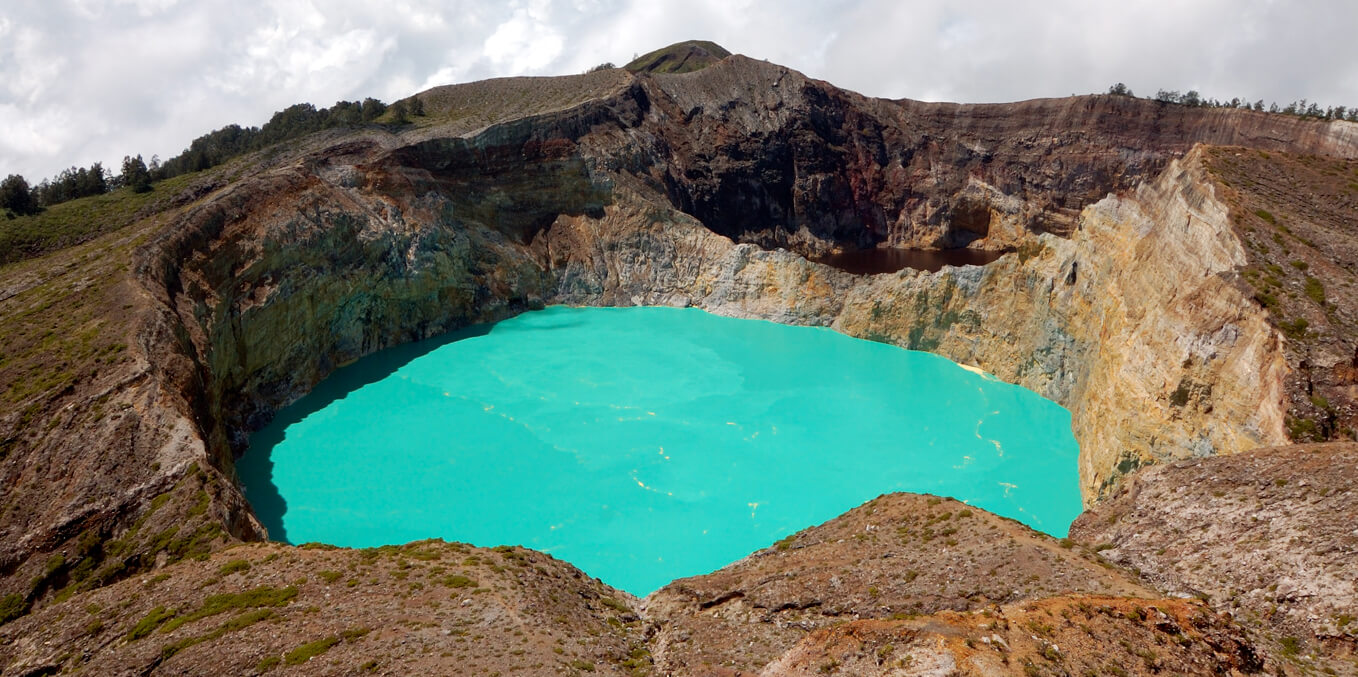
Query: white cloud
x: 92, y: 80
x: 524, y: 43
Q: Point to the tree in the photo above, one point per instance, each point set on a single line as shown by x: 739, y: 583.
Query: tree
x: 71, y: 184
x: 346, y: 113
x: 1120, y: 89
x: 16, y: 196
x: 92, y: 181
x: 135, y: 174
x: 372, y: 109
x: 399, y: 113
x: 1172, y: 96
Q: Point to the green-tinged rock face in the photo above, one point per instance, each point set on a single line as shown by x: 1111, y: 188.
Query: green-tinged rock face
x: 647, y: 444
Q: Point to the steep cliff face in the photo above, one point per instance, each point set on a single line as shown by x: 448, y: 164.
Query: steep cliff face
x: 1133, y: 322
x: 762, y: 154
x: 1118, y: 299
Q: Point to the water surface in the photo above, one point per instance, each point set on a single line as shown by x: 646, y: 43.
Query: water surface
x: 647, y: 444
x: 891, y: 259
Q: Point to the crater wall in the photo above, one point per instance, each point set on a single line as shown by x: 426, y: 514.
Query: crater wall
x: 703, y: 189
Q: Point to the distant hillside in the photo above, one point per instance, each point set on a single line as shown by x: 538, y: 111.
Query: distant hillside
x: 681, y: 57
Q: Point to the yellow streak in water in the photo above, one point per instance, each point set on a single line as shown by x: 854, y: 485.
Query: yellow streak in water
x: 978, y: 371
x: 643, y: 485
x: 999, y: 451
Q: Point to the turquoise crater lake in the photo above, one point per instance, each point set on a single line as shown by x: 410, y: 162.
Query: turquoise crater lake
x: 647, y: 444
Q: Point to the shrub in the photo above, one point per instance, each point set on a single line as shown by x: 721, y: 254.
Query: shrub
x: 309, y: 650
x: 235, y: 565
x: 216, y: 604
x: 152, y: 620
x: 1315, y: 290
x: 12, y: 607
x: 1291, y: 646
x: 458, y: 581
x: 1295, y: 329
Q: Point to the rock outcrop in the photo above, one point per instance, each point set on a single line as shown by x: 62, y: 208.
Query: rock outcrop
x: 1057, y: 636
x: 893, y: 557
x: 1271, y: 534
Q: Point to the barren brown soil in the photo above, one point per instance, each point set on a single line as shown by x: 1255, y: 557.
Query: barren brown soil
x: 905, y: 584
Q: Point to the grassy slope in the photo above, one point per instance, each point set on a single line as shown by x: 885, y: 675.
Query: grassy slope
x: 458, y: 109
x: 681, y: 57
x: 66, y: 314
x: 78, y: 221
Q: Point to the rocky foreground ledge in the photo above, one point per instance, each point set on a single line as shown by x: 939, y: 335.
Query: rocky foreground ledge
x: 904, y: 584
x: 901, y: 582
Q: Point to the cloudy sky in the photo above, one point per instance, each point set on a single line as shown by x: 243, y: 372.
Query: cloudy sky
x: 93, y: 80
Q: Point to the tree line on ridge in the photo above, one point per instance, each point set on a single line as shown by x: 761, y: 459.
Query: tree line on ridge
x: 20, y: 198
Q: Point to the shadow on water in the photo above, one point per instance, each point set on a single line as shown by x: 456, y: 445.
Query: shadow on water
x: 890, y: 259
x: 257, y: 475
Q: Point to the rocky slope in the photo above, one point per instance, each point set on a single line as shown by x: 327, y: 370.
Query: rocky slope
x: 135, y: 366
x: 1056, y: 636
x: 424, y: 608
x: 1271, y: 534
x: 1298, y: 218
x: 880, y: 590
x: 895, y: 557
